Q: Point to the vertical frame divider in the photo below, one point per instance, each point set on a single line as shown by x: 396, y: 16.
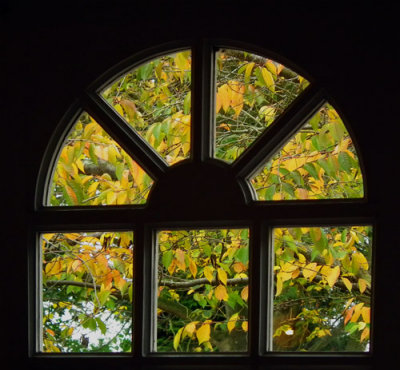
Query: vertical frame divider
x: 139, y: 293
x: 262, y: 287
x: 268, y: 298
x: 148, y: 297
x: 255, y: 289
x: 202, y: 100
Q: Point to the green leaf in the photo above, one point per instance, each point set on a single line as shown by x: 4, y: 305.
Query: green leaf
x: 187, y: 103
x: 103, y: 296
x: 288, y: 189
x: 130, y: 293
x: 319, y: 238
x: 310, y: 168
x: 92, y: 154
x: 242, y: 255
x: 167, y: 258
x: 337, y: 130
x: 269, y: 192
x: 290, y: 242
x: 90, y: 324
x: 119, y: 169
x: 327, y: 166
x: 345, y: 161
x: 314, y: 121
x: 144, y: 72
x: 101, y: 325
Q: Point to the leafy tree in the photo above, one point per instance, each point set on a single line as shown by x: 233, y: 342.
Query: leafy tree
x: 322, y: 275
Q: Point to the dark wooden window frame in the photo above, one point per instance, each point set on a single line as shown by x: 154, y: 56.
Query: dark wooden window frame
x: 218, y: 212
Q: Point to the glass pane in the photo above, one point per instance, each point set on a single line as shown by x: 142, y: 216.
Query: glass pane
x: 87, y: 292
x: 154, y: 99
x: 251, y: 92
x: 319, y: 162
x: 93, y: 169
x: 203, y: 290
x: 322, y: 299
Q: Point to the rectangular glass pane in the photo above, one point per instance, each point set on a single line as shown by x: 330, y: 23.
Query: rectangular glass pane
x: 86, y: 281
x: 322, y: 295
x: 202, y: 294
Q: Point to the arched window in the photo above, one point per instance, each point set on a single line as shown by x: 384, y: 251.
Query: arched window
x: 203, y: 201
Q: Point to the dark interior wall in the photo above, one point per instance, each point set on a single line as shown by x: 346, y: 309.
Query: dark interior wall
x: 53, y: 51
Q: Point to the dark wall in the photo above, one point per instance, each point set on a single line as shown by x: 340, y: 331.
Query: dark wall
x: 53, y: 51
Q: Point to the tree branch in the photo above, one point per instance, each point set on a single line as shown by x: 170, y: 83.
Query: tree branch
x: 100, y: 168
x: 257, y: 59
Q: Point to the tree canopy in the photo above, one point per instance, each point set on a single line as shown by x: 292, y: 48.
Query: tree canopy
x: 322, y: 275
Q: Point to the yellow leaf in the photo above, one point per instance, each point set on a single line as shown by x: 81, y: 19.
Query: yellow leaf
x: 222, y: 276
x: 92, y: 188
x: 245, y: 293
x: 284, y: 276
x: 218, y: 103
x: 236, y: 92
x: 111, y: 197
x: 225, y: 126
x: 180, y: 259
x: 51, y: 332
x: 360, y: 261
x: 301, y: 193
x: 268, y: 79
x: 209, y: 273
x: 362, y: 285
x: 224, y: 97
x: 333, y: 276
x: 177, y: 338
x: 366, y: 314
x: 247, y: 72
x: 245, y: 326
x: 125, y: 179
x: 232, y: 322
x: 348, y: 315
x: 302, y: 259
x: 193, y: 268
x: 76, y: 264
x: 311, y: 270
x: 271, y: 66
x: 53, y: 268
x: 279, y: 285
x: 347, y: 283
x: 238, y: 267
x: 190, y: 328
x: 364, y: 334
x: 71, y: 194
x: 220, y: 293
x: 203, y: 333
x: 122, y: 197
x: 357, y: 312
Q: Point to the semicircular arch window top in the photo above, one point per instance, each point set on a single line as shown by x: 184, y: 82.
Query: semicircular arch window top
x: 199, y: 200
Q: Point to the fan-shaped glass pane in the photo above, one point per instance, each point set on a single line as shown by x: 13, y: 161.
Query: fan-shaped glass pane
x: 251, y: 92
x: 322, y: 297
x: 319, y: 162
x: 92, y: 170
x: 154, y: 99
x: 86, y: 294
x: 203, y: 290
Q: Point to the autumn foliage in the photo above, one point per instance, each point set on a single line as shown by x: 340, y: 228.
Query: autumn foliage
x: 322, y: 275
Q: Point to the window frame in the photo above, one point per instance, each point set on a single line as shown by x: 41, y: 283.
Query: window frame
x: 257, y: 215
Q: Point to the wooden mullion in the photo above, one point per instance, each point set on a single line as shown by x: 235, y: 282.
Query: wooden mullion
x: 202, y: 98
x: 286, y: 125
x: 124, y: 135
